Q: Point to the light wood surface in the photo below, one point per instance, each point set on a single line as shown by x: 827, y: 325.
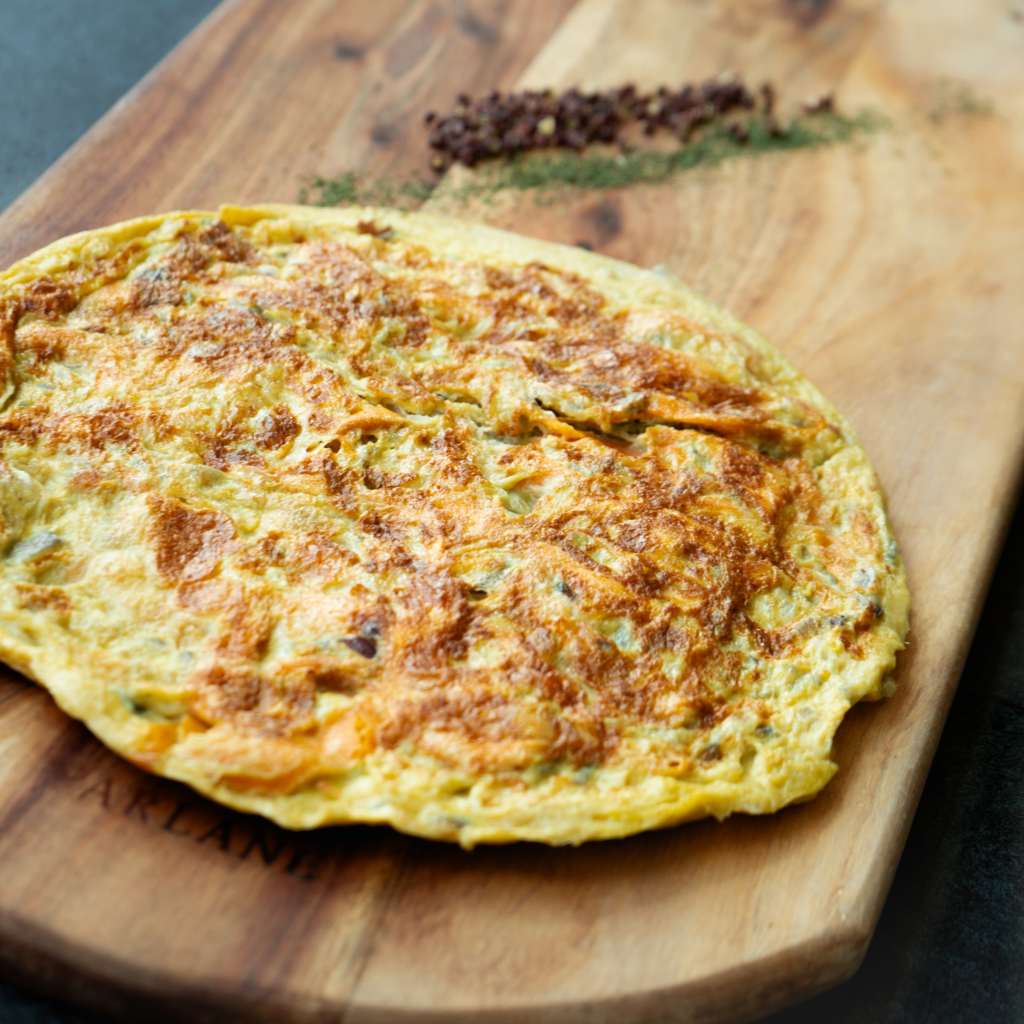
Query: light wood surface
x: 890, y: 271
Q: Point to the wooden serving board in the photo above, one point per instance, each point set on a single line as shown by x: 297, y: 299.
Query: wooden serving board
x: 890, y: 271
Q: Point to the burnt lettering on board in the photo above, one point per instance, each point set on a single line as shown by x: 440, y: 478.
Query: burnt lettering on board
x: 161, y: 806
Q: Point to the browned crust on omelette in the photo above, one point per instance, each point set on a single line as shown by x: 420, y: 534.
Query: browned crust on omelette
x: 354, y: 515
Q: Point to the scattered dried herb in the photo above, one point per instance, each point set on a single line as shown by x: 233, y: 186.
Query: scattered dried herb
x: 550, y: 172
x: 951, y: 97
x: 353, y: 189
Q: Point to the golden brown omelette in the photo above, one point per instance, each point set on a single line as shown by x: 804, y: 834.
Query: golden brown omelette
x: 354, y: 515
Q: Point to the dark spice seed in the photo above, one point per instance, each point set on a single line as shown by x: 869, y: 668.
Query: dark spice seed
x: 822, y: 104
x: 738, y: 131
x: 510, y: 123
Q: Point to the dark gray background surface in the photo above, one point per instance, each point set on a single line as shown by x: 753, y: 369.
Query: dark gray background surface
x: 950, y: 943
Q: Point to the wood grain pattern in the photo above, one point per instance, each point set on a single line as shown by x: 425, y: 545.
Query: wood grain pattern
x: 889, y: 271
x: 266, y: 93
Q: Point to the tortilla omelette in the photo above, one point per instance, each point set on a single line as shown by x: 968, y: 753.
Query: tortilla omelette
x: 359, y: 515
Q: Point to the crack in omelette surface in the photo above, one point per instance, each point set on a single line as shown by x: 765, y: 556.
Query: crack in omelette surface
x: 357, y: 497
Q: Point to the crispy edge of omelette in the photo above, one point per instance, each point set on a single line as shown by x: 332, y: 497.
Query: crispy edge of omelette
x: 426, y: 799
